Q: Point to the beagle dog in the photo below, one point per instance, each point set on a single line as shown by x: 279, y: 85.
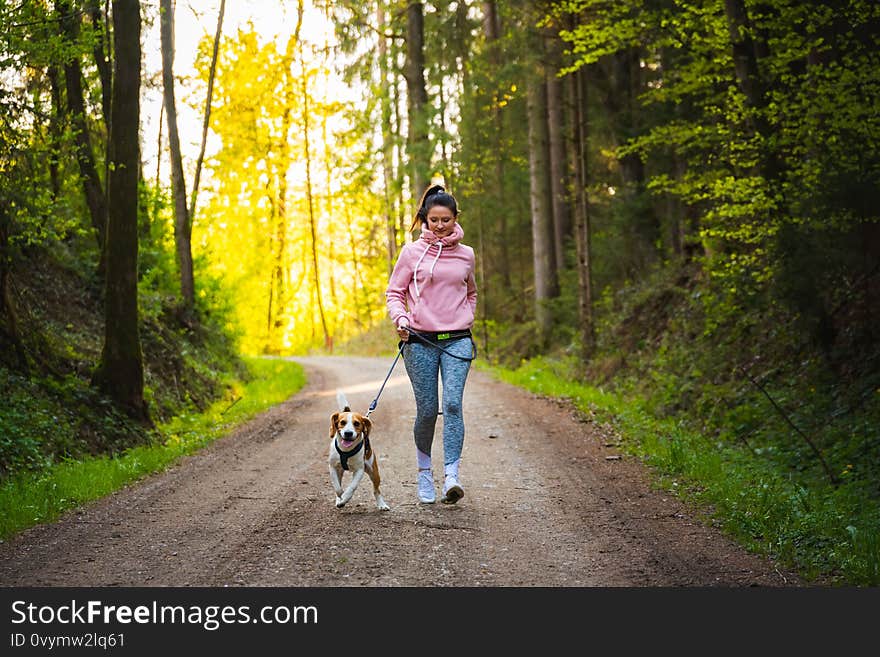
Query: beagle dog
x: 350, y: 450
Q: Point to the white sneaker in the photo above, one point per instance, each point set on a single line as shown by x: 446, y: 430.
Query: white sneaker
x: 426, y: 486
x: 452, y: 490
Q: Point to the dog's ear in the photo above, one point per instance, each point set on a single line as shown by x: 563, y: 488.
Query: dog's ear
x: 367, y: 426
x: 333, y: 420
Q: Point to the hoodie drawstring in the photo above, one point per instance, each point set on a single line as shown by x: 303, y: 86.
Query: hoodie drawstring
x: 433, y: 264
x: 439, y: 251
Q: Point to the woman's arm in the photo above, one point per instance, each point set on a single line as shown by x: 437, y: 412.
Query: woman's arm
x: 398, y: 284
x: 472, y: 284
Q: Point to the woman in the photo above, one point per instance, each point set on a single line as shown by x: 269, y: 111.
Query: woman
x: 432, y: 293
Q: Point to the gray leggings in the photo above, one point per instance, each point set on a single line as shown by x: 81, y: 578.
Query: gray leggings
x: 423, y: 364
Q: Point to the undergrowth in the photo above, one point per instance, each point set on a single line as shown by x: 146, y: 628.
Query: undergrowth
x: 830, y: 533
x: 33, y: 496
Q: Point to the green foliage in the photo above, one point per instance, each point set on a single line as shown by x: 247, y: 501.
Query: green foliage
x: 24, y: 426
x: 830, y: 533
x: 43, y: 421
x: 29, y: 498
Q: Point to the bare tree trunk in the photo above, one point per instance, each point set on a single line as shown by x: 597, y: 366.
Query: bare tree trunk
x: 642, y: 229
x: 182, y: 225
x: 120, y: 374
x: 559, y: 183
x: 279, y: 216
x: 103, y: 63
x: 85, y: 158
x: 275, y: 319
x: 546, y: 285
x: 492, y: 33
x: 55, y: 129
x: 276, y: 191
x: 102, y: 57
x: 577, y: 110
x: 361, y: 307
x: 387, y: 139
x: 273, y: 277
x: 402, y: 223
x: 157, y: 201
x: 207, y: 120
x: 329, y: 211
x: 491, y: 21
x: 745, y: 60
x: 7, y: 304
x: 418, y: 142
x: 328, y: 339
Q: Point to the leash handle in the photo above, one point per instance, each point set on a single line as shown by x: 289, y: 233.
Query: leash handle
x: 426, y: 341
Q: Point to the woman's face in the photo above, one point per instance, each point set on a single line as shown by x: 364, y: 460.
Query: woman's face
x: 440, y: 221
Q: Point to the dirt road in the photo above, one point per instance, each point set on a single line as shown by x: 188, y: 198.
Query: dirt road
x: 543, y: 507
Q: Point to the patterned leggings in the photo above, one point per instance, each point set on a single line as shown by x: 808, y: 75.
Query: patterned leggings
x: 423, y: 364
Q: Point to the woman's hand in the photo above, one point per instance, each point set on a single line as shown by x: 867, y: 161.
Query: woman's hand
x: 403, y: 331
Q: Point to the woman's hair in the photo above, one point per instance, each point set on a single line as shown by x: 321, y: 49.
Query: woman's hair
x: 434, y: 195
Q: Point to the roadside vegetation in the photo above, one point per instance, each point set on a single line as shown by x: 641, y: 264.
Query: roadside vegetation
x: 41, y: 494
x: 827, y: 533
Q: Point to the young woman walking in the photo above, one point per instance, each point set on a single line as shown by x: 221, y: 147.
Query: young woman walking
x: 432, y: 292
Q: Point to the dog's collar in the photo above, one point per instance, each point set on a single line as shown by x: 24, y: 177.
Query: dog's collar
x: 344, y: 456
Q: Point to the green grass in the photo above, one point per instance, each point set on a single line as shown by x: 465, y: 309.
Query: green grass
x: 27, y: 499
x: 829, y: 534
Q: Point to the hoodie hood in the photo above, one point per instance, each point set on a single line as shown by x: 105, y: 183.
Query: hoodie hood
x: 430, y: 239
x: 452, y: 239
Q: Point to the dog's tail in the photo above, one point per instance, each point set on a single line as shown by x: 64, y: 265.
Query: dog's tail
x: 342, y: 401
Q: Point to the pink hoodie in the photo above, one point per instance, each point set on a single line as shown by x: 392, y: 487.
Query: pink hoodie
x: 433, y: 284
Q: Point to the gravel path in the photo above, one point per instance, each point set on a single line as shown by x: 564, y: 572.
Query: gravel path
x: 543, y: 507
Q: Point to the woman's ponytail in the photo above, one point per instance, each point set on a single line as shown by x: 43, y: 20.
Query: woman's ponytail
x: 434, y: 195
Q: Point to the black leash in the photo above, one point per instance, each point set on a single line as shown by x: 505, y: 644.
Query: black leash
x: 400, y: 347
x: 375, y: 402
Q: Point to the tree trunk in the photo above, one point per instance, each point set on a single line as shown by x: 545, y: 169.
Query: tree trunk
x: 577, y: 104
x: 157, y: 199
x: 361, y: 304
x: 102, y: 58
x: 7, y: 304
x: 402, y: 219
x: 276, y: 191
x: 546, y: 285
x: 745, y: 60
x: 85, y: 158
x: 642, y: 229
x: 492, y: 33
x: 120, y: 374
x: 55, y: 130
x: 418, y: 143
x: 559, y: 183
x: 328, y: 340
x: 182, y: 225
x: 269, y: 347
x: 387, y: 140
x: 748, y: 75
x: 491, y: 21
x: 442, y: 134
x: 207, y: 120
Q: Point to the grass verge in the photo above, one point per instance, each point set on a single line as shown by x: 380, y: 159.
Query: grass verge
x: 828, y: 534
x: 27, y: 499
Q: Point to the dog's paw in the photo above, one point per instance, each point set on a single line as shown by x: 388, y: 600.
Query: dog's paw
x: 383, y: 507
x: 340, y: 503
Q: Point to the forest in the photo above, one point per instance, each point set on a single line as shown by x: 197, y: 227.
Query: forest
x: 673, y: 201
